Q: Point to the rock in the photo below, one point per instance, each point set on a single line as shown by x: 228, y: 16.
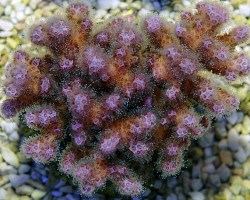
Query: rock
x: 232, y: 119
x: 34, y: 3
x: 210, y: 160
x: 244, y: 9
x: 14, y: 137
x: 246, y: 184
x: 56, y: 193
x: 10, y: 157
x: 226, y: 157
x: 6, y: 25
x: 12, y: 43
x: 38, y: 194
x: 66, y: 189
x: 196, y: 184
x: 9, y: 127
x: 240, y: 117
x: 17, y: 180
x: 23, y: 169
x: 240, y: 155
x: 3, y: 180
x: 209, y: 168
x: 5, y: 34
x: 107, y: 4
x: 196, y: 153
x: 24, y: 189
x: 24, y: 198
x: 136, y: 5
x: 172, y: 196
x: 35, y: 184
x: 207, y: 140
x: 196, y: 171
x: 233, y: 139
x: 208, y: 152
x: 224, y: 172
x: 236, y: 185
x: 220, y: 130
x: 158, y: 184
x: 3, y: 193
x: 22, y: 158
x: 7, y: 169
x: 197, y: 195
x: 246, y: 169
x: 20, y: 16
x: 214, y: 180
x: 4, y: 2
x: 222, y: 144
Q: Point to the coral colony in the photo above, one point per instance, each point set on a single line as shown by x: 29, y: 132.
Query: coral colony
x: 103, y: 94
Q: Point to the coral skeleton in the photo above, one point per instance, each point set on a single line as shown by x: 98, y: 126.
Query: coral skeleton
x: 101, y: 95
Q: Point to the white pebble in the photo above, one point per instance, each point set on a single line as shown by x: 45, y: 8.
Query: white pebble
x: 19, y: 7
x: 244, y: 9
x: 233, y: 139
x: 6, y: 34
x: 4, y: 2
x: 10, y: 157
x: 7, y: 10
x: 27, y: 11
x: 20, y: 16
x: 9, y: 127
x: 6, y: 25
x: 197, y: 195
x: 14, y: 136
x: 34, y: 3
x: 107, y: 4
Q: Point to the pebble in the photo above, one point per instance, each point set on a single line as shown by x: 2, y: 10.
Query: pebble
x: 240, y: 155
x: 220, y: 130
x: 14, y: 137
x: 24, y: 189
x: 233, y: 139
x: 196, y: 184
x: 56, y: 193
x: 197, y: 195
x: 34, y: 3
x: 3, y: 180
x: 214, y: 180
x: 17, y: 180
x: 222, y: 144
x: 10, y: 157
x: 158, y: 184
x: 5, y: 34
x: 66, y: 189
x: 209, y: 168
x: 107, y: 4
x: 6, y: 25
x: 224, y: 172
x: 172, y: 196
x: 3, y: 193
x: 7, y: 169
x: 38, y: 194
x: 4, y: 2
x: 207, y: 140
x: 24, y: 168
x: 233, y: 118
x: 244, y: 9
x: 226, y: 157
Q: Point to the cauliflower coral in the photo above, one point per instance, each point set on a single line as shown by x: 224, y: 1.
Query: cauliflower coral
x: 100, y: 95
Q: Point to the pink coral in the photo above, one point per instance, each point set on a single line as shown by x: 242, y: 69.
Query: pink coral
x: 101, y: 97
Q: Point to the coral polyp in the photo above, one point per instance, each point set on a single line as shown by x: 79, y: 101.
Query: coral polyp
x: 101, y: 95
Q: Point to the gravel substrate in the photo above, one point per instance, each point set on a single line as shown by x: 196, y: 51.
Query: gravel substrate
x: 217, y: 166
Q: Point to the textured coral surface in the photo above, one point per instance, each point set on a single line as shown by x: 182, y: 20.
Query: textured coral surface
x: 100, y: 95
